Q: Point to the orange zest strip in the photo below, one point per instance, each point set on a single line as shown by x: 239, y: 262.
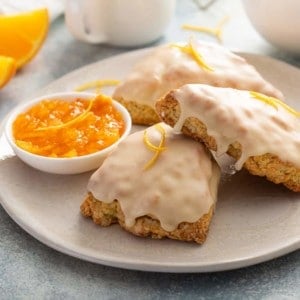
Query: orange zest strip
x: 199, y: 58
x: 80, y: 117
x: 191, y: 50
x: 157, y: 149
x: 264, y: 99
x: 273, y: 101
x: 98, y: 84
x: 216, y: 32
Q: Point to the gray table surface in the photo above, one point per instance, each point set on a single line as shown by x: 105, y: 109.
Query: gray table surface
x: 31, y: 270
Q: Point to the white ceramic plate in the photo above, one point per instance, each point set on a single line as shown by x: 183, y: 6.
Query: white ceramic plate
x: 254, y: 221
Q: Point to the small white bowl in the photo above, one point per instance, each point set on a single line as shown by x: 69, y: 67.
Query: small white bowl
x: 72, y: 165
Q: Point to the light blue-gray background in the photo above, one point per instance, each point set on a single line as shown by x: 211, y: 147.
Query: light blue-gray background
x: 31, y: 270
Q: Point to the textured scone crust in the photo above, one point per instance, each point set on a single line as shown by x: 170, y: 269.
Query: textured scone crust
x: 105, y: 214
x: 141, y: 114
x: 267, y: 165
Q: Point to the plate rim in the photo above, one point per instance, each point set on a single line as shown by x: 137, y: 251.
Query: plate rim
x: 156, y: 267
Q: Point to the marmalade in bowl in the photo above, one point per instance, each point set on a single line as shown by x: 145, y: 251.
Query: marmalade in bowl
x: 59, y: 128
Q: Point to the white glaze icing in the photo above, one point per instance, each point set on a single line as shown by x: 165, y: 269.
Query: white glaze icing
x: 167, y: 68
x: 181, y: 185
x: 232, y: 115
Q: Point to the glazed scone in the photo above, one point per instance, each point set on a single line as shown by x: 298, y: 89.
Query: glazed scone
x: 158, y: 184
x: 170, y: 66
x: 261, y: 132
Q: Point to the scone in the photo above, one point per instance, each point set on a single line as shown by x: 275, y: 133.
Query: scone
x: 158, y: 184
x: 261, y: 132
x: 170, y: 66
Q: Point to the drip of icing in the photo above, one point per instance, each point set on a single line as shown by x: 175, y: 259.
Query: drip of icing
x: 233, y: 116
x: 180, y: 187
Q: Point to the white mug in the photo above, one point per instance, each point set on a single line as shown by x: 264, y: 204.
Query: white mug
x: 124, y: 23
x: 277, y: 21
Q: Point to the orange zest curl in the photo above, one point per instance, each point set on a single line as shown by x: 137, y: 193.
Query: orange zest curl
x: 157, y: 149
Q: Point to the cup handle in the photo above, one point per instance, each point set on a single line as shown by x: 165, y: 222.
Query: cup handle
x: 76, y: 22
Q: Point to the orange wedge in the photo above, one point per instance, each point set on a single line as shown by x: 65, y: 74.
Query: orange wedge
x: 22, y: 35
x: 7, y: 69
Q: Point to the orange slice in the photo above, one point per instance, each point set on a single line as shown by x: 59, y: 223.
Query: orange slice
x: 22, y: 35
x: 7, y: 69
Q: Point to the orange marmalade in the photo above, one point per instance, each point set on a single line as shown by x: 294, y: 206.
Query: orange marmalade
x: 58, y: 128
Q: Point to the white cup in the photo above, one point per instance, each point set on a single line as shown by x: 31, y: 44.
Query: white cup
x: 278, y: 21
x: 119, y: 22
